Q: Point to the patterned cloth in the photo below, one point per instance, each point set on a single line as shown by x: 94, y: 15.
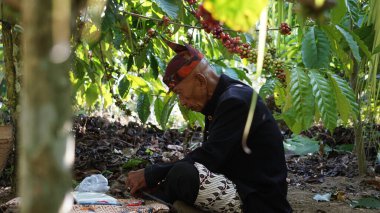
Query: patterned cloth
x: 127, y: 206
x: 148, y: 206
x: 216, y: 192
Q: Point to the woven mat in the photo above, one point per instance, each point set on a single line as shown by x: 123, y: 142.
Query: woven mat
x: 147, y: 207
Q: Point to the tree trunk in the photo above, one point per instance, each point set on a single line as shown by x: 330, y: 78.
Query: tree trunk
x: 359, y: 148
x: 359, y: 142
x: 10, y: 71
x: 358, y: 126
x: 46, y: 149
x: 12, y: 95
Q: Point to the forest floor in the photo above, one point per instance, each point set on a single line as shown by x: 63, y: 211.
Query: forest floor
x: 113, y: 147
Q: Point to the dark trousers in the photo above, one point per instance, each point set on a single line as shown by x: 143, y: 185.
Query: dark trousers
x: 181, y: 183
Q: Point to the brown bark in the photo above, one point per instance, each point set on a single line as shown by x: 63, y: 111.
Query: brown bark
x: 45, y: 123
x: 10, y: 71
x: 12, y: 95
x: 14, y: 4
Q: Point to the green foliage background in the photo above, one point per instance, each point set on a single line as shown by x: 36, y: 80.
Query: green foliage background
x: 326, y: 60
x: 118, y: 62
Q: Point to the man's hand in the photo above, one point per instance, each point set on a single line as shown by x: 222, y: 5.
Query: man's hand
x: 135, y: 181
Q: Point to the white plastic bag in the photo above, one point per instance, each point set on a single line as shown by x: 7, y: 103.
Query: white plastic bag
x: 93, y: 183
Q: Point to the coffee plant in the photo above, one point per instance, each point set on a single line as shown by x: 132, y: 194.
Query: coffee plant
x: 319, y: 64
x: 320, y: 61
x: 120, y: 57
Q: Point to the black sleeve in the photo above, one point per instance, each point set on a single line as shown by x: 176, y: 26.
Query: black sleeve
x: 224, y: 134
x: 156, y: 173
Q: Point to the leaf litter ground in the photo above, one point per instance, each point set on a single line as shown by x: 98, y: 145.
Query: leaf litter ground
x: 112, y: 148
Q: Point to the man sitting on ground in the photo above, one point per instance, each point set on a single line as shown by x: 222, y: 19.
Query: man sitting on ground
x: 219, y: 176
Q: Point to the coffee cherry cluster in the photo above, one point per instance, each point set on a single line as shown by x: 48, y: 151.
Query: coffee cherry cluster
x: 191, y: 2
x: 142, y: 44
x: 269, y: 39
x: 278, y: 64
x: 272, y: 51
x: 151, y: 32
x: 279, y: 70
x: 120, y: 103
x: 233, y: 44
x: 164, y: 25
x: 285, y: 29
x: 268, y: 60
x: 165, y: 20
x: 281, y: 76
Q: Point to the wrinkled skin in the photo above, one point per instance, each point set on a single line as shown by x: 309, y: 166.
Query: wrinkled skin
x: 135, y: 181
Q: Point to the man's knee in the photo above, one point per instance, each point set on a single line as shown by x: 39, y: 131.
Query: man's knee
x: 182, y: 182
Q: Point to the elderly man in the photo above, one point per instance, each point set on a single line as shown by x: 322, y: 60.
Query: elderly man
x: 219, y: 176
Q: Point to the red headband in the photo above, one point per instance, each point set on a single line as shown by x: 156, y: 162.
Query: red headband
x: 181, y: 65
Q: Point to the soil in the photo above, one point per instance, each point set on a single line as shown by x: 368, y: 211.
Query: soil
x: 113, y: 147
x: 301, y: 198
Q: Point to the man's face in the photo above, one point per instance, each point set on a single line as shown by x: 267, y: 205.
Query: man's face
x: 192, y: 92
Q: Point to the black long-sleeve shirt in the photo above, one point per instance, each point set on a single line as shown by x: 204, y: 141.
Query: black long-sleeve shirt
x: 260, y: 177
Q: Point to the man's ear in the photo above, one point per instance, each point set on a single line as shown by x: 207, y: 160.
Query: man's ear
x: 201, y: 79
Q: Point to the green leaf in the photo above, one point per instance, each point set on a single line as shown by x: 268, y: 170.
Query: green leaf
x: 242, y: 75
x: 290, y: 118
x: 138, y: 83
x: 94, y: 69
x: 141, y: 59
x: 181, y: 13
x: 109, y: 18
x: 302, y: 98
x: 157, y: 86
x: 231, y: 73
x: 77, y: 86
x: 279, y: 95
x: 118, y: 38
x: 365, y: 35
x: 123, y: 87
x: 351, y: 43
x: 288, y: 99
x: 367, y: 202
x: 335, y: 40
x: 162, y: 109
x: 158, y: 108
x: 363, y: 46
x: 169, y: 102
x: 106, y: 96
x: 130, y: 62
x: 92, y: 94
x: 143, y: 107
x: 344, y: 148
x: 240, y: 15
x: 268, y: 88
x: 345, y: 97
x: 192, y: 117
x: 325, y: 101
x: 154, y: 66
x: 80, y: 68
x: 301, y: 145
x: 134, y: 163
x: 338, y: 12
x: 170, y: 7
x: 353, y: 10
x: 2, y: 74
x: 315, y: 49
x: 376, y: 50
